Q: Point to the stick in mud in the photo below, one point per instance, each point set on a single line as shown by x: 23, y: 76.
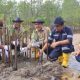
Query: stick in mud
x: 30, y: 41
x: 40, y: 58
x: 9, y: 59
x: 15, y: 62
x: 41, y: 54
x: 47, y: 46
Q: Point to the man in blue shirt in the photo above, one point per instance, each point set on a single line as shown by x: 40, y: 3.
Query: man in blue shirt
x: 59, y: 44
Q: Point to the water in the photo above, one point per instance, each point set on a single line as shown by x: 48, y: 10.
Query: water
x: 74, y: 64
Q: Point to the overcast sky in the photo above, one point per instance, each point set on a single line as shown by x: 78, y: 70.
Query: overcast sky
x: 61, y: 1
x: 23, y: 0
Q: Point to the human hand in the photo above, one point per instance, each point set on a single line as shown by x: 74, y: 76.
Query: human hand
x: 40, y: 53
x: 77, y: 52
x: 54, y: 44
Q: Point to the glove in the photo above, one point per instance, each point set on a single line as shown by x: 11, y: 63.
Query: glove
x: 35, y: 44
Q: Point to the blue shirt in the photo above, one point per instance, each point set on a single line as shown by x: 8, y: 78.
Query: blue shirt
x: 65, y: 33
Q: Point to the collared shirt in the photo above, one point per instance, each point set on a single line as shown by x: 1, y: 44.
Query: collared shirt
x: 17, y: 34
x: 66, y: 33
x: 39, y: 36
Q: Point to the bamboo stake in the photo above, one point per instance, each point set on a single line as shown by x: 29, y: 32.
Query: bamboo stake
x: 15, y: 54
x: 9, y: 49
x: 30, y: 48
x: 15, y: 65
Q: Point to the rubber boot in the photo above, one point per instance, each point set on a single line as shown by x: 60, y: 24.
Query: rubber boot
x: 60, y: 59
x: 37, y: 53
x: 65, y: 60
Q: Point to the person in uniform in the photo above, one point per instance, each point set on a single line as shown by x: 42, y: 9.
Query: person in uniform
x: 39, y: 35
x: 17, y: 34
x: 59, y: 43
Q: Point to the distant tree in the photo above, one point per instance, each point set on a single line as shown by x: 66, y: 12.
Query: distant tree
x: 70, y: 11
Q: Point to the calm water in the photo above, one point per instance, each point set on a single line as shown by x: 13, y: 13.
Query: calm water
x: 74, y: 64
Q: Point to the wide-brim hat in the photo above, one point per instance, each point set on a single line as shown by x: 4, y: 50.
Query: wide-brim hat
x: 18, y: 20
x: 59, y: 21
x: 39, y: 21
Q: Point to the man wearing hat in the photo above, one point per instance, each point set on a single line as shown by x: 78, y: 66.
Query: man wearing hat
x: 17, y: 32
x: 16, y: 40
x: 39, y: 35
x: 59, y: 43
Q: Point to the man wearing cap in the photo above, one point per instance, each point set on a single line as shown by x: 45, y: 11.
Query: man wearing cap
x: 39, y: 35
x: 17, y: 32
x: 59, y: 43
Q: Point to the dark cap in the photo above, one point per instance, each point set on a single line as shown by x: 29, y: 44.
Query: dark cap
x: 40, y: 21
x: 59, y: 21
x: 18, y: 20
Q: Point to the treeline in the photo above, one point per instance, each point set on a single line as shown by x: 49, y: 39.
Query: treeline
x: 28, y: 11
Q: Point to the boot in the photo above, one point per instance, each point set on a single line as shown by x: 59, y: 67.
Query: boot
x: 65, y: 60
x: 37, y: 53
x: 60, y: 59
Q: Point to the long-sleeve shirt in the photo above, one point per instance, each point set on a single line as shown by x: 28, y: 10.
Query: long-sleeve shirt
x: 39, y: 36
x: 66, y: 33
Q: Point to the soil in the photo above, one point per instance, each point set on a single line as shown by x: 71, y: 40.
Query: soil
x: 32, y: 70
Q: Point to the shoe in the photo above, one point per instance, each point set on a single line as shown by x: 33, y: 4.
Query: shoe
x: 60, y: 59
x: 65, y: 60
x: 52, y: 60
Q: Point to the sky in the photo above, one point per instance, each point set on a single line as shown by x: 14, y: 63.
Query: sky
x: 25, y: 0
x: 60, y: 1
x: 29, y: 0
x: 21, y: 0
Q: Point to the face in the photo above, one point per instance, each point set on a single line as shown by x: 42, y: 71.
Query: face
x: 59, y: 28
x: 38, y: 26
x: 17, y: 24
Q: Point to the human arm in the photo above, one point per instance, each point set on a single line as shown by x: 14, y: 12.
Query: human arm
x: 64, y: 41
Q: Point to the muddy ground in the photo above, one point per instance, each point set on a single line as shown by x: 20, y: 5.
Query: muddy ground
x: 32, y: 70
